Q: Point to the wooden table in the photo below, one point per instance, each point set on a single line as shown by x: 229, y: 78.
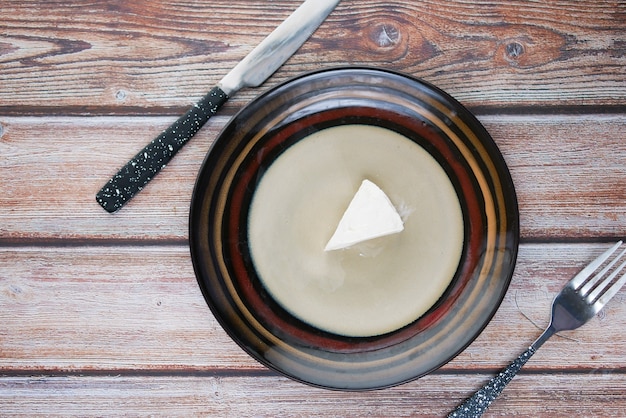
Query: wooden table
x: 101, y: 314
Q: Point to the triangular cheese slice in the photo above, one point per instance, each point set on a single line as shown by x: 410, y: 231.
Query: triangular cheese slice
x: 369, y: 215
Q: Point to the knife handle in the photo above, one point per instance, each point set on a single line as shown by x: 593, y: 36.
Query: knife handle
x: 131, y: 178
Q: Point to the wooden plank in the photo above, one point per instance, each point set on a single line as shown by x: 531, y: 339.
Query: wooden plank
x: 111, y: 57
x: 52, y: 169
x: 140, y: 310
x: 553, y: 395
x: 568, y: 172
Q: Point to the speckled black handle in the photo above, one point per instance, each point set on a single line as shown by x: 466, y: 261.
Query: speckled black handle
x: 131, y: 178
x: 480, y: 401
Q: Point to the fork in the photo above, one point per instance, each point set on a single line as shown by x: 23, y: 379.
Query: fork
x: 579, y: 301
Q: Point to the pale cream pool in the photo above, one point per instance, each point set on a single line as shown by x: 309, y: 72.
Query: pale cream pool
x: 376, y: 286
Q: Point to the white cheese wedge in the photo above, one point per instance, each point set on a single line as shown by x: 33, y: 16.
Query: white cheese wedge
x: 370, y: 215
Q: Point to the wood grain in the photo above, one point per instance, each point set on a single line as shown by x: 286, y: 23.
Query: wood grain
x: 139, y: 309
x: 101, y: 315
x: 226, y: 396
x: 568, y: 172
x: 80, y: 339
x: 110, y: 57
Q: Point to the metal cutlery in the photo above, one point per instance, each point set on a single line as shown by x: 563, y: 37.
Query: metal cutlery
x: 579, y: 301
x: 252, y: 71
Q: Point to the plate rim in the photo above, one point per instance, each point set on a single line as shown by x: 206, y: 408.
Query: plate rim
x: 502, y: 170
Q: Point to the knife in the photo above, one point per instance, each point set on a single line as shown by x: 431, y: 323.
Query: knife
x: 252, y: 71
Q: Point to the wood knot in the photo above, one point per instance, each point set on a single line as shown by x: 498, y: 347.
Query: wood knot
x: 120, y: 95
x: 388, y: 39
x: 514, y: 50
x: 385, y: 35
x: 529, y: 46
x: 17, y: 293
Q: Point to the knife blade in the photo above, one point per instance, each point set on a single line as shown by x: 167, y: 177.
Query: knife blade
x: 252, y: 71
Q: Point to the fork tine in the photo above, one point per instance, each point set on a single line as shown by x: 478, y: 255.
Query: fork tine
x: 608, y: 295
x: 580, y: 278
x: 600, y: 288
x: 591, y: 283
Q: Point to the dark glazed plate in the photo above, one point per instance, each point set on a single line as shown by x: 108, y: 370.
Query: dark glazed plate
x: 253, y: 140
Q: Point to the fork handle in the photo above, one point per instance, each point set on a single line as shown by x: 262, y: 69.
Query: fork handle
x: 476, y: 405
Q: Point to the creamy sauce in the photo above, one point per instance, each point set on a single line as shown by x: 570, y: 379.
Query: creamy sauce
x: 379, y: 285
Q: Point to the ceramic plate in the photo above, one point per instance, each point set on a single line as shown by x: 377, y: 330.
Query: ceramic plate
x: 283, y: 117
